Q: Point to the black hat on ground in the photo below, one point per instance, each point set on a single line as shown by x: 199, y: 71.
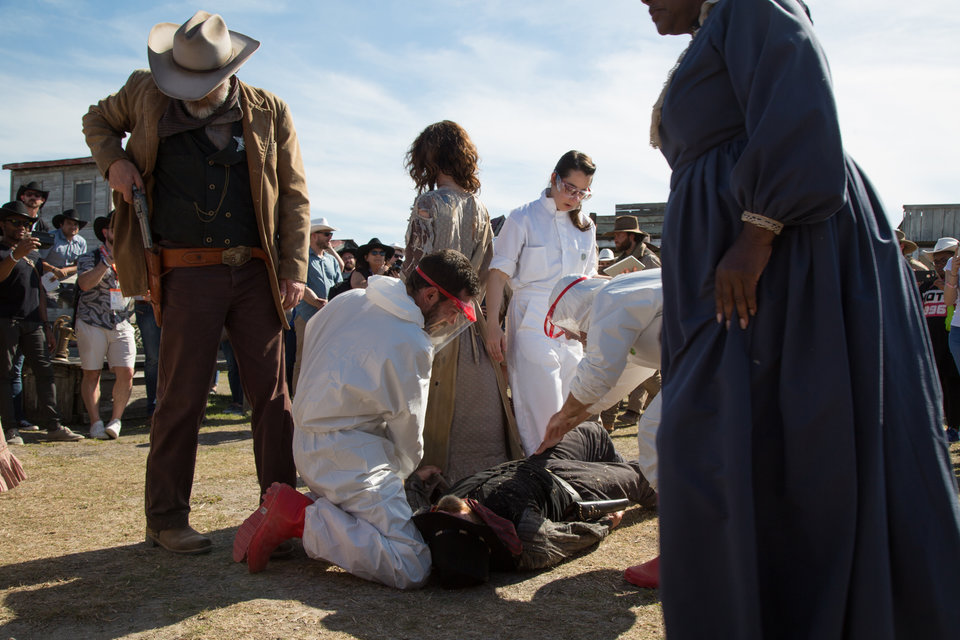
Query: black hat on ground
x: 69, y: 214
x: 101, y: 223
x: 463, y: 552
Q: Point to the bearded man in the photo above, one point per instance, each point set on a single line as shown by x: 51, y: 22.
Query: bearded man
x: 220, y: 165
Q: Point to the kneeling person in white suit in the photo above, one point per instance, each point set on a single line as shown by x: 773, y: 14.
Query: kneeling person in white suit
x: 358, y: 414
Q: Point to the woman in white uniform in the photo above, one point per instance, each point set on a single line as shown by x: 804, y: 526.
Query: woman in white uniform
x: 539, y: 243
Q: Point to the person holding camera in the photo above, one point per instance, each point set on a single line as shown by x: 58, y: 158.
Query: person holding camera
x: 23, y: 324
x: 323, y: 273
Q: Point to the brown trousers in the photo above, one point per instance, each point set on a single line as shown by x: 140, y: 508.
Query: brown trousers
x: 198, y: 302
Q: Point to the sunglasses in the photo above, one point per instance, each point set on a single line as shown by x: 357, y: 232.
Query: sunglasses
x: 325, y: 233
x: 573, y: 190
x: 466, y: 309
x: 378, y: 252
x: 20, y: 222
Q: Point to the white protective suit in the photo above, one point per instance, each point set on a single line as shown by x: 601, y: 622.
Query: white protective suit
x: 622, y: 319
x: 535, y: 248
x: 358, y: 415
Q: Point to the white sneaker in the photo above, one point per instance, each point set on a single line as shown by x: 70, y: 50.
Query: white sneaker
x: 113, y: 429
x: 97, y: 431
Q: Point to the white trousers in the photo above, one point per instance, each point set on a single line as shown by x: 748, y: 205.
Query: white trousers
x: 361, y: 520
x: 647, y: 440
x: 540, y: 371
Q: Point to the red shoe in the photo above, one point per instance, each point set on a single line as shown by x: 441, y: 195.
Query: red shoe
x: 279, y: 518
x: 646, y: 575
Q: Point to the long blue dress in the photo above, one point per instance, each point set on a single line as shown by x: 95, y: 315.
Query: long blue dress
x: 806, y: 489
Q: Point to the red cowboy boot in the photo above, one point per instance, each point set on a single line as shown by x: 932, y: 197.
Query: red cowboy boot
x: 279, y: 518
x: 646, y: 575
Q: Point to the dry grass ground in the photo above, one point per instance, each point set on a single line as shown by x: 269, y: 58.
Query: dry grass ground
x: 73, y: 564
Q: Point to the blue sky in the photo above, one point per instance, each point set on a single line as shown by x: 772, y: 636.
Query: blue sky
x: 528, y: 79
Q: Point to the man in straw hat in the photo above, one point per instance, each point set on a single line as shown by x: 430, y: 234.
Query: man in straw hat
x: 23, y: 323
x: 324, y: 271
x: 229, y: 211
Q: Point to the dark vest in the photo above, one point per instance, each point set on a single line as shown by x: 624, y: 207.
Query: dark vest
x: 202, y: 194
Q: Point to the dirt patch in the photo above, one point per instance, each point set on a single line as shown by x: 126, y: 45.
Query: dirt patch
x: 73, y: 564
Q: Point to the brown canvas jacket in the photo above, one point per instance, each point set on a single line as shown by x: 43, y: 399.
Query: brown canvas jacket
x: 642, y: 253
x: 273, y: 157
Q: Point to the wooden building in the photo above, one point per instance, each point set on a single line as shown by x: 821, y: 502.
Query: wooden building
x: 73, y: 183
x: 924, y: 223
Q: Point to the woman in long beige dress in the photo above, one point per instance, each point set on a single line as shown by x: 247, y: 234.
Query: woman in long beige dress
x: 469, y: 424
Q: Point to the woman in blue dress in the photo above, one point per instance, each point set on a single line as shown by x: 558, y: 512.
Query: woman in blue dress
x: 805, y: 484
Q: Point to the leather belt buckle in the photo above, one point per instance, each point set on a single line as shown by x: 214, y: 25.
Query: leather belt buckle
x: 236, y: 256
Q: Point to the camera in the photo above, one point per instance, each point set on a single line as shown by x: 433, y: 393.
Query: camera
x: 45, y: 238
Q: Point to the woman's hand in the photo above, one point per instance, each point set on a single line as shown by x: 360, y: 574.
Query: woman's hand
x: 738, y: 272
x: 496, y: 340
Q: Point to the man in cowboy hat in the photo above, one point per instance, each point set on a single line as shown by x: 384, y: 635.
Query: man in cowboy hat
x: 61, y: 258
x: 104, y: 330
x: 324, y: 271
x: 630, y: 240
x: 23, y: 323
x: 229, y: 212
x: 348, y: 254
x: 34, y: 197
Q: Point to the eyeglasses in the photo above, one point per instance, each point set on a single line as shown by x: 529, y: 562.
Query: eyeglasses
x: 20, y: 222
x: 573, y: 190
x: 466, y: 309
x: 378, y: 252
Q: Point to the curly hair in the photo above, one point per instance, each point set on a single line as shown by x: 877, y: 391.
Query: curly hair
x: 443, y: 147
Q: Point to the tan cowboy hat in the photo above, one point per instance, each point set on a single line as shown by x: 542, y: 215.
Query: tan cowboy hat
x: 628, y: 224
x: 189, y: 61
x: 908, y: 246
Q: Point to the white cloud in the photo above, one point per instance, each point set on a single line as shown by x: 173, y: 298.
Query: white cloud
x: 528, y: 80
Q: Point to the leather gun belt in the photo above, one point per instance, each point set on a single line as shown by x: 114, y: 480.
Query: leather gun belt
x: 201, y: 257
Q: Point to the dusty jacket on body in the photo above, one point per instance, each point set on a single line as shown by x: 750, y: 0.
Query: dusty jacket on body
x: 277, y: 180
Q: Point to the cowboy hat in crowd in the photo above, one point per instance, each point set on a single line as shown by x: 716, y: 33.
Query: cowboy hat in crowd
x: 69, y: 214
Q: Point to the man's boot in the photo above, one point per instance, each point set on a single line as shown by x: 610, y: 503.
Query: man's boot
x: 279, y: 518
